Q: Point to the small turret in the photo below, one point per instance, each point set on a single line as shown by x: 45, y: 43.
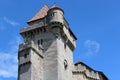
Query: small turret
x: 55, y: 15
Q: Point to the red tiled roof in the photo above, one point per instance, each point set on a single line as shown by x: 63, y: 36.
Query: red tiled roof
x: 41, y: 13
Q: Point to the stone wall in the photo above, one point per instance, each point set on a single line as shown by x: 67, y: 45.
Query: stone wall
x: 83, y: 72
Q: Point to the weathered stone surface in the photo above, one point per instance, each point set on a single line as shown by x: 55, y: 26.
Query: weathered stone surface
x: 47, y: 50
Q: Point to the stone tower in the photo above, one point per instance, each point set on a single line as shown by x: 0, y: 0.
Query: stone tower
x: 47, y: 50
x: 46, y: 53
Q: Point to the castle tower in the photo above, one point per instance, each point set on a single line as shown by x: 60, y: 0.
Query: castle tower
x: 46, y: 53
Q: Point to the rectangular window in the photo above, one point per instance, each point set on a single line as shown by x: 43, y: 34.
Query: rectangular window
x: 25, y: 55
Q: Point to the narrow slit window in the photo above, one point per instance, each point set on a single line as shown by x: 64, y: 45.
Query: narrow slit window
x: 65, y: 45
x: 44, y: 29
x: 41, y: 42
x: 38, y: 42
x: 65, y: 64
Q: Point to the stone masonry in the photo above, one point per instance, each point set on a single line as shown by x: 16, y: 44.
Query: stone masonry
x: 47, y: 50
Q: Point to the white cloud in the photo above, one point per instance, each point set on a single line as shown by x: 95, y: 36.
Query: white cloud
x: 92, y: 47
x: 11, y: 22
x: 8, y: 63
x: 6, y: 20
x: 8, y: 60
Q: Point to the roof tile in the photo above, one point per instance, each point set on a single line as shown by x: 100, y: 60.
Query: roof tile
x: 41, y: 13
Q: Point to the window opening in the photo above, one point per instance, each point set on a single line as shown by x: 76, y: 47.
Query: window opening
x: 38, y: 42
x: 25, y: 55
x: 41, y: 42
x: 65, y: 64
x: 44, y: 29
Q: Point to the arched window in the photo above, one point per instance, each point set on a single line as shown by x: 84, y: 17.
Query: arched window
x: 65, y: 64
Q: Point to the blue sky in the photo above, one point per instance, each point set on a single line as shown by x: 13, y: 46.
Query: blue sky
x: 96, y: 23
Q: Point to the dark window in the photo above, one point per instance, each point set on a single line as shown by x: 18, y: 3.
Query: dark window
x: 41, y: 29
x: 65, y: 45
x: 25, y: 55
x: 44, y: 29
x: 41, y: 42
x: 38, y: 42
x: 65, y: 64
x: 53, y: 14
